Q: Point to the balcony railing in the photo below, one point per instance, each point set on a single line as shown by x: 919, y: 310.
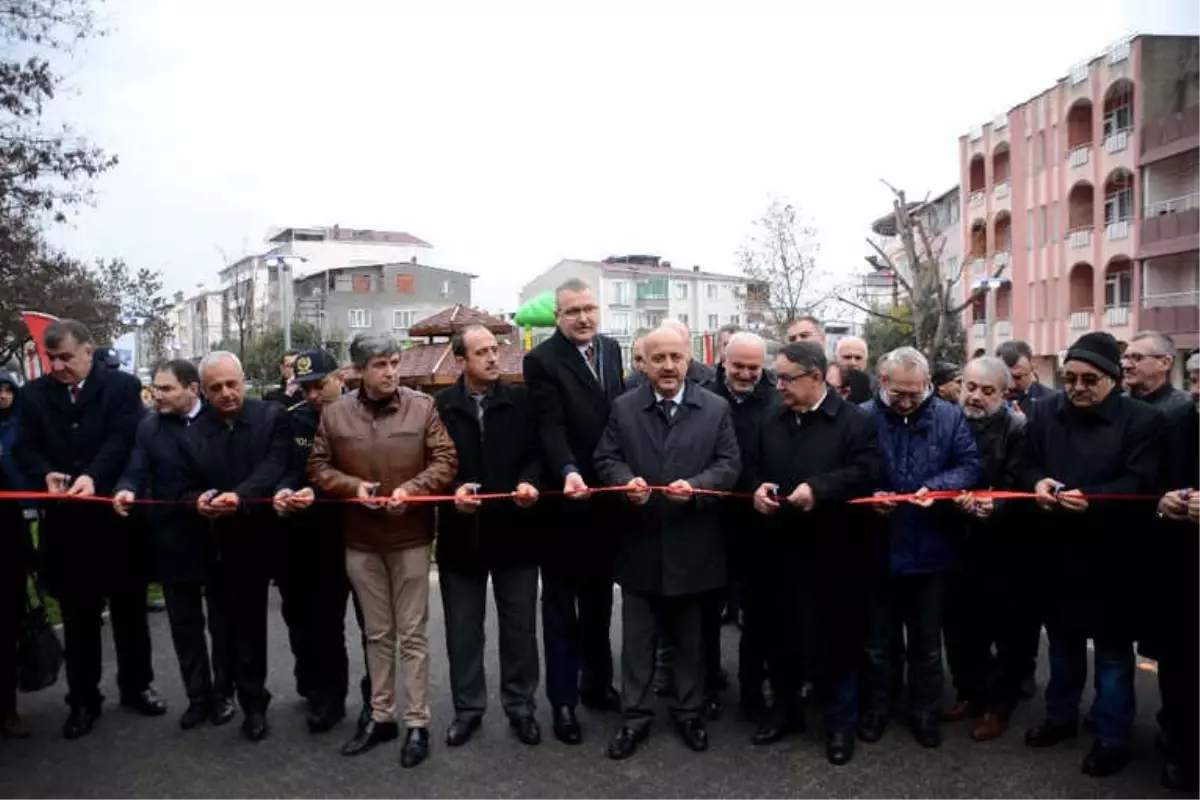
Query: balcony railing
x: 1000, y: 122
x: 1117, y: 141
x: 979, y: 330
x: 1080, y: 238
x: 1079, y: 155
x: 1000, y: 259
x: 1117, y: 230
x: 975, y: 199
x: 1003, y: 329
x: 1118, y: 52
x: 1079, y: 74
x: 1081, y: 320
x: 1171, y: 299
x: 976, y: 133
x: 1116, y: 315
x: 1173, y: 206
x: 1001, y: 190
x: 978, y: 266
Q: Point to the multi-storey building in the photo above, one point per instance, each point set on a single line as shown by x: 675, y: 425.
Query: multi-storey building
x: 939, y: 218
x: 637, y: 293
x: 1080, y: 205
x: 196, y: 323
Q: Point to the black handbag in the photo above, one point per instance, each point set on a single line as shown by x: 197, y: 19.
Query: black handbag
x: 40, y: 652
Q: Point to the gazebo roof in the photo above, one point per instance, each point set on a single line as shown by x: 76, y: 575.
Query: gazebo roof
x: 450, y: 320
x: 434, y: 365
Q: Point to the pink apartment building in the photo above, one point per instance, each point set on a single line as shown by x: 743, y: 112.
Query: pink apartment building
x: 1087, y: 195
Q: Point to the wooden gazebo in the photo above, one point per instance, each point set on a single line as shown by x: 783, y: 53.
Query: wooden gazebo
x: 431, y: 366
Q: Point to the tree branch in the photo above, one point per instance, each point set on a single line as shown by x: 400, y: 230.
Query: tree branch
x: 875, y: 313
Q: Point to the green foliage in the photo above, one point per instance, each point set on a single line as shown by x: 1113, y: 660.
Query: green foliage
x: 884, y: 335
x: 265, y: 351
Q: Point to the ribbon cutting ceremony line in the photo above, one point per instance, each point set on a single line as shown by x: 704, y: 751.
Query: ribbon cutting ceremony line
x: 449, y: 498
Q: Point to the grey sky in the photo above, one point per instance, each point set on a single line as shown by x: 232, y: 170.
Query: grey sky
x: 511, y: 135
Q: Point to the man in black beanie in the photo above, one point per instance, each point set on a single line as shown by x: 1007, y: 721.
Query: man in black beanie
x: 1092, y: 440
x: 947, y: 380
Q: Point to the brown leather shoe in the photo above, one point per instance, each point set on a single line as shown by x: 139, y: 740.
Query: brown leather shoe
x: 992, y: 726
x: 960, y: 711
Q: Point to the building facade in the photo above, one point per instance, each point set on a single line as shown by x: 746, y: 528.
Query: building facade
x: 196, y: 324
x: 638, y: 293
x: 1079, y: 207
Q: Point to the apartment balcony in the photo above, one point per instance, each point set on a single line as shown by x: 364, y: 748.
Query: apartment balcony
x: 1080, y: 238
x: 1176, y: 314
x: 1116, y: 154
x: 1170, y: 135
x: 1169, y: 227
x: 1117, y: 230
x: 1117, y: 142
x: 1001, y: 259
x: 1080, y: 156
x: 1003, y: 331
x: 1081, y: 320
x: 1116, y: 316
x: 976, y: 199
x: 1001, y: 191
x: 979, y: 330
x: 1002, y: 197
x: 979, y: 266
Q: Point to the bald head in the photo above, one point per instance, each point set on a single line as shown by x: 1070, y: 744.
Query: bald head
x: 223, y: 382
x: 680, y: 327
x: 667, y: 357
x: 852, y: 352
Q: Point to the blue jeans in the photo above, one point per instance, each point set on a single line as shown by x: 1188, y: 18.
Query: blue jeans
x: 915, y: 601
x: 1115, y: 704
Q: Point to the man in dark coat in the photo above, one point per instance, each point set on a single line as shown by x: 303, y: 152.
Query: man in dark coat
x: 241, y: 452
x: 697, y: 372
x: 184, y: 559
x: 16, y: 556
x: 76, y: 430
x: 814, y: 452
x: 311, y: 572
x: 1173, y: 621
x: 573, y: 377
x: 288, y: 393
x: 495, y: 432
x: 1025, y: 389
x: 985, y: 593
x: 1147, y: 363
x: 1092, y: 440
x: 927, y: 446
x: 670, y: 547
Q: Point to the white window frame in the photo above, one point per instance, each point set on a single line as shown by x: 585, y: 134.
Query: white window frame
x: 1120, y: 202
x: 620, y: 322
x: 621, y: 293
x: 363, y: 315
x: 713, y: 291
x: 714, y: 320
x: 404, y: 315
x: 1117, y: 281
x: 681, y: 291
x: 683, y: 318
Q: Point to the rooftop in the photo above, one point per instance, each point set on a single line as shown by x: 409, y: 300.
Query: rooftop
x: 337, y: 233
x: 651, y: 266
x: 886, y: 225
x: 434, y: 365
x: 450, y: 320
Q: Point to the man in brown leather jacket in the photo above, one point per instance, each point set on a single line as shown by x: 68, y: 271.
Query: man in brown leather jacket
x: 380, y: 445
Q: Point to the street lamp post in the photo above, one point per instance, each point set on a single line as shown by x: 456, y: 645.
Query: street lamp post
x: 284, y: 264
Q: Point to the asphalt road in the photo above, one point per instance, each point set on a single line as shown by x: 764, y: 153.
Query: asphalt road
x: 128, y: 756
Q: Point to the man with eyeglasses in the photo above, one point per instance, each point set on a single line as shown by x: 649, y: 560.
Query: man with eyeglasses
x: 1091, y: 440
x: 1173, y: 619
x: 927, y: 446
x: 1147, y: 364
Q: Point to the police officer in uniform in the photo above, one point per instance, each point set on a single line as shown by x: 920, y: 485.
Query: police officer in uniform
x: 311, y: 572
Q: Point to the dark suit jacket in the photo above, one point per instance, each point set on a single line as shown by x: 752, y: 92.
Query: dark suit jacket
x: 93, y: 436
x: 250, y: 457
x: 666, y: 548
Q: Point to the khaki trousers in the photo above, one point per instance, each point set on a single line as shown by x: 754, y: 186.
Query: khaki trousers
x: 393, y: 590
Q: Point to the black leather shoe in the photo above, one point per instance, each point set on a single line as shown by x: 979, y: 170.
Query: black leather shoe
x: 625, y: 741
x: 196, y: 713
x: 254, y: 726
x: 461, y: 730
x: 566, y: 726
x: 775, y: 728
x: 872, y: 727
x: 80, y: 722
x: 693, y: 732
x: 927, y: 734
x: 526, y: 729
x: 369, y: 735
x: 223, y: 710
x: 1104, y: 760
x: 713, y: 706
x: 324, y: 716
x: 607, y: 700
x: 146, y: 702
x: 1047, y: 735
x: 416, y: 747
x: 840, y: 748
x: 364, y: 717
x: 1179, y: 778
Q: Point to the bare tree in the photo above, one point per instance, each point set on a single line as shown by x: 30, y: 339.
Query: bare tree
x: 238, y: 299
x: 780, y: 254
x: 935, y: 300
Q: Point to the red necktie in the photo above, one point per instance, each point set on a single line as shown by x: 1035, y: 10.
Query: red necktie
x: 74, y: 392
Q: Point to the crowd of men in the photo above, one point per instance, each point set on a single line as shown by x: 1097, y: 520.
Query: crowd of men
x: 585, y: 476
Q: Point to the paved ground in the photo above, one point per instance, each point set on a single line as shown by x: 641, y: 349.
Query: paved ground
x: 128, y: 756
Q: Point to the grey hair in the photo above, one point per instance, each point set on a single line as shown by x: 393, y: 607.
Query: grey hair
x: 996, y: 369
x: 216, y: 356
x: 746, y: 337
x: 907, y: 357
x: 1163, y: 343
x: 1193, y: 363
x: 730, y: 329
x: 571, y: 285
x: 374, y: 347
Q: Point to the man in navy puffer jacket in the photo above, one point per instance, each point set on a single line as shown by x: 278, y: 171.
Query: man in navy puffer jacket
x: 927, y: 447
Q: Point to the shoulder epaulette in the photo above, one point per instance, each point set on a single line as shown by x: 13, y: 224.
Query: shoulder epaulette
x: 297, y: 405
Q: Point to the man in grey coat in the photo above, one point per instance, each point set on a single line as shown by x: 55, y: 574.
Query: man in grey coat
x: 671, y: 550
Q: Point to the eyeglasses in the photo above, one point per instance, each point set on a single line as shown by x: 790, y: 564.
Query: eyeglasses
x: 1137, y: 358
x: 579, y: 311
x: 787, y: 380
x: 1088, y: 379
x: 894, y: 395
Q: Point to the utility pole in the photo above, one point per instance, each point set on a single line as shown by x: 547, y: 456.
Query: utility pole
x: 284, y: 264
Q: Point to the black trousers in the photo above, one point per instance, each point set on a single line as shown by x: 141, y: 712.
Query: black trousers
x: 757, y: 632
x: 313, y: 588
x: 710, y: 626
x: 644, y: 620
x: 81, y: 606
x: 916, y: 600
x: 982, y: 615
x: 243, y: 596
x: 1179, y: 685
x: 204, y: 678
x: 12, y: 607
x: 576, y: 622
x: 464, y: 597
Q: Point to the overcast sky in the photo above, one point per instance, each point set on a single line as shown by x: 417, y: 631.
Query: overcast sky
x: 510, y: 135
